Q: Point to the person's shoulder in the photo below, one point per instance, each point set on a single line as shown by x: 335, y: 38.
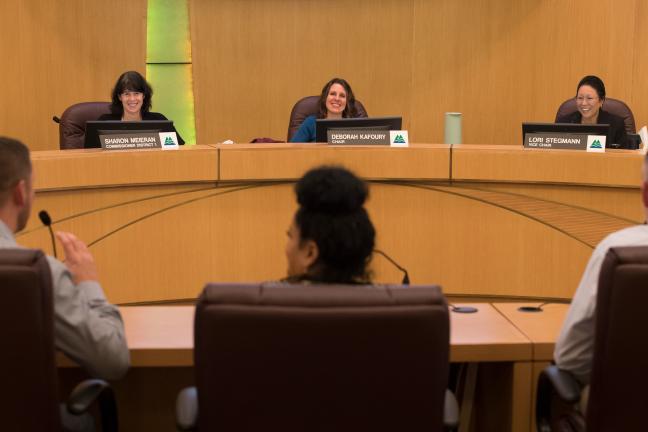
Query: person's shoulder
x: 573, y: 117
x: 636, y: 235
x: 608, y: 117
x: 108, y: 117
x: 153, y: 116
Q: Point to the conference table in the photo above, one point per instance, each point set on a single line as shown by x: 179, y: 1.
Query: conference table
x: 504, y: 350
x: 491, y: 223
x: 479, y: 220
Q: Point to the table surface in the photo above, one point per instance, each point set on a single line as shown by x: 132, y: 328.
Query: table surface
x: 163, y: 336
x: 541, y: 328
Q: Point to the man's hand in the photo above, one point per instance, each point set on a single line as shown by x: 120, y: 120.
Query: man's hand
x: 78, y: 258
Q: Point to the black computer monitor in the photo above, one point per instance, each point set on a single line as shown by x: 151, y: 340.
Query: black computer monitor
x: 573, y: 128
x: 96, y: 128
x: 374, y: 123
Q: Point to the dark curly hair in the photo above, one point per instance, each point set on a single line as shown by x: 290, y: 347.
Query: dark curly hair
x: 349, y: 110
x: 131, y: 81
x: 331, y: 213
x: 595, y: 82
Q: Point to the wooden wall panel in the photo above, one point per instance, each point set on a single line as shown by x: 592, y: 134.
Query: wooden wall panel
x: 55, y: 54
x: 498, y: 62
x: 253, y: 59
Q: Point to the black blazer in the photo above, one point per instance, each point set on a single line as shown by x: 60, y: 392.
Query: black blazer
x: 147, y: 116
x: 617, y: 132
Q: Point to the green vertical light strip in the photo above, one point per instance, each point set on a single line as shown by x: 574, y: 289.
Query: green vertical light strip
x: 168, y: 63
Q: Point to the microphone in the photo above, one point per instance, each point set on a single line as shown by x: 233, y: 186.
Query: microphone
x: 533, y: 308
x: 406, y: 280
x: 47, y: 221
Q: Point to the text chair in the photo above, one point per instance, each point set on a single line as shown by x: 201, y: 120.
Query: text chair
x: 319, y: 358
x: 29, y: 397
x: 617, y: 397
x: 613, y: 106
x: 72, y: 124
x: 308, y: 106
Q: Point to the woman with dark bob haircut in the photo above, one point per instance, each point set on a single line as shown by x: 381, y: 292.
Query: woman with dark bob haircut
x: 131, y: 101
x: 590, y: 96
x: 331, y: 237
x: 336, y: 101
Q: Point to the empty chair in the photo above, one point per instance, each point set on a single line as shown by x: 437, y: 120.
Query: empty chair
x: 29, y: 396
x: 617, y: 396
x: 307, y: 106
x: 297, y: 357
x: 72, y: 124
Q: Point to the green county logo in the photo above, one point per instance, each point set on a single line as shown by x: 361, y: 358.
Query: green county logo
x: 168, y: 141
x: 596, y: 144
x: 399, y: 139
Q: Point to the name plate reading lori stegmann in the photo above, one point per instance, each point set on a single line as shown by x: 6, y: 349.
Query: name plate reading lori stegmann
x: 366, y: 136
x: 565, y: 141
x: 140, y: 140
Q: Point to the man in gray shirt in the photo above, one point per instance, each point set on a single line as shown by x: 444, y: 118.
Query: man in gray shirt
x: 87, y: 328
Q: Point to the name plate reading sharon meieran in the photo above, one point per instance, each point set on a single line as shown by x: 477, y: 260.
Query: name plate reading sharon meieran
x: 366, y: 136
x: 140, y: 140
x: 591, y: 143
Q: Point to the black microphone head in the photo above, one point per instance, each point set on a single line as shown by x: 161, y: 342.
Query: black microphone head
x: 45, y: 217
x: 406, y: 280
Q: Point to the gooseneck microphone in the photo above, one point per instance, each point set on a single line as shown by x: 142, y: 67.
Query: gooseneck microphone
x: 406, y: 280
x: 47, y: 221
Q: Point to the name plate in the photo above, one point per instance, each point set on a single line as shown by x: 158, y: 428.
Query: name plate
x: 140, y: 140
x: 592, y: 143
x: 358, y: 136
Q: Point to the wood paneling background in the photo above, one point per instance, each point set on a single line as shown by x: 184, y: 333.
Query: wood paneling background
x: 498, y: 62
x: 55, y: 54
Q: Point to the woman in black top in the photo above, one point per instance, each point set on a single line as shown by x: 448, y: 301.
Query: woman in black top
x: 331, y: 237
x: 590, y: 96
x: 131, y: 101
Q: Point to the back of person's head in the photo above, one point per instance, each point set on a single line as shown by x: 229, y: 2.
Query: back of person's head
x: 595, y: 82
x: 131, y: 81
x: 331, y: 213
x: 350, y: 109
x: 14, y: 166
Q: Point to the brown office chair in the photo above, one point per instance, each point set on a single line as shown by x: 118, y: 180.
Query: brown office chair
x: 618, y: 396
x: 614, y: 106
x: 308, y: 106
x: 29, y: 397
x: 320, y: 357
x: 72, y: 123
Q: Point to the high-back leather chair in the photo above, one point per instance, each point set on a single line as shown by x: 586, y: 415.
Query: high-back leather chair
x: 72, y: 124
x: 309, y: 106
x: 619, y: 379
x: 613, y: 106
x: 321, y: 357
x: 29, y: 396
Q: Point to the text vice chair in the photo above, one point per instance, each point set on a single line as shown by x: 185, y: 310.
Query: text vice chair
x: 308, y: 106
x: 318, y: 358
x: 29, y: 397
x: 618, y: 397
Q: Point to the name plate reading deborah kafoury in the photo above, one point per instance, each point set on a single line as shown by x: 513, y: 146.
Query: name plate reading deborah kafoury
x: 136, y: 141
x: 358, y: 136
x: 591, y: 143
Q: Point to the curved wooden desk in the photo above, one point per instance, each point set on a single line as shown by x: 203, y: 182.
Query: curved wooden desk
x: 482, y: 220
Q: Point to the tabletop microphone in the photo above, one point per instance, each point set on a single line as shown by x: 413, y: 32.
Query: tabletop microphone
x: 47, y: 221
x: 406, y: 280
x: 533, y: 308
